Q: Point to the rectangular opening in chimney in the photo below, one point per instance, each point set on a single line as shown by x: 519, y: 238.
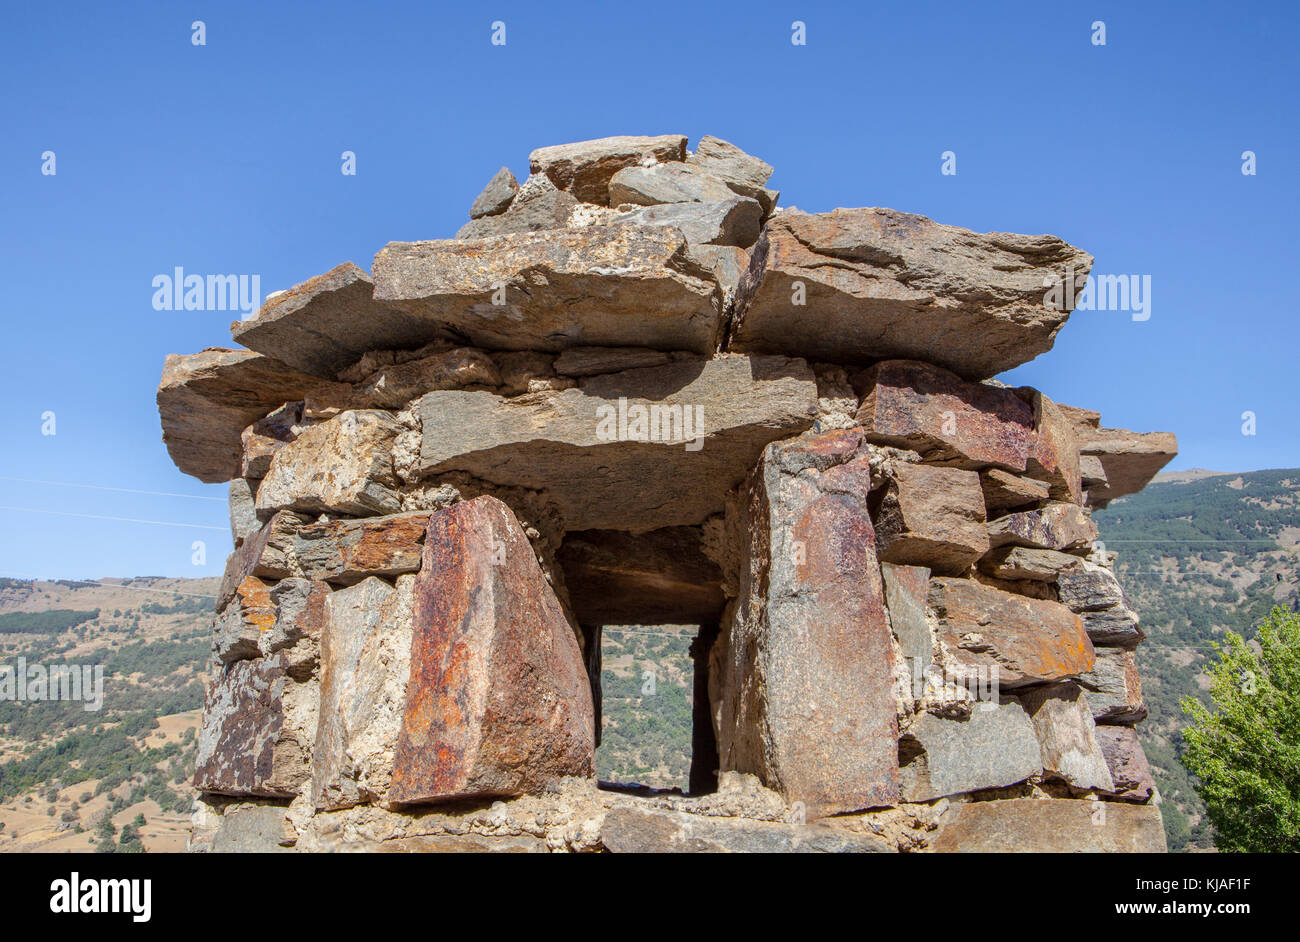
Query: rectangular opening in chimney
x: 649, y: 605
x: 656, y: 732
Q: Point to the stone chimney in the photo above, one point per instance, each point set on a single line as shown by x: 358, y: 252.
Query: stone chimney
x: 635, y: 391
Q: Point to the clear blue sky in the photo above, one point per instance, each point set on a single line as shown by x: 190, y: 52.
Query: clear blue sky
x: 226, y: 158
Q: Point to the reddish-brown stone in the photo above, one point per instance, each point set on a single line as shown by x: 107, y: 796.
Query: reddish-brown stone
x: 931, y: 517
x: 923, y: 407
x: 1129, y: 460
x: 265, y: 555
x: 1127, y: 762
x: 1005, y: 491
x: 498, y: 701
x: 1028, y: 640
x: 859, y: 285
x: 801, y: 678
x: 1113, y: 688
x: 1054, y: 449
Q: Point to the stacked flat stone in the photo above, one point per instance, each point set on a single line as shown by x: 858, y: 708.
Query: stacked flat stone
x: 633, y: 390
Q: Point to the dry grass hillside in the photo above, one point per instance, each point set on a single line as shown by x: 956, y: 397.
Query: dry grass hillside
x: 116, y: 778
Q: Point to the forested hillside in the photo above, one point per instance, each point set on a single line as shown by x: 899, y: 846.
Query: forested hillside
x: 1199, y: 557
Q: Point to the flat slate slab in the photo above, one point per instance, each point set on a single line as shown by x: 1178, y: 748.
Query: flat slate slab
x: 1113, y: 688
x: 993, y: 747
x: 617, y: 285
x: 1129, y: 460
x: 661, y: 577
x: 1027, y: 640
x: 730, y: 221
x: 346, y: 551
x: 652, y: 830
x: 617, y: 452
x: 942, y: 417
x: 1051, y: 826
x: 1004, y: 491
x: 1055, y: 525
x: 877, y: 283
x: 326, y: 323
x: 207, y: 399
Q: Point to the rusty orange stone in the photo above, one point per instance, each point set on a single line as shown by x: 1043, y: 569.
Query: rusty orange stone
x: 346, y: 551
x: 1028, y: 640
x: 255, y: 600
x: 498, y: 701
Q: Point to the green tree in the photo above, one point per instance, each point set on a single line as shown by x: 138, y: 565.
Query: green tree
x: 1246, y: 752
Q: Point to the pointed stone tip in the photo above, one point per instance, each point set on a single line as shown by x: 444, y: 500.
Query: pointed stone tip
x: 497, y: 196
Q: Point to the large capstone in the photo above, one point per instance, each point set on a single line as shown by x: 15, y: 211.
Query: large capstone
x: 622, y: 285
x: 637, y: 450
x: 857, y: 285
x: 207, y: 399
x: 328, y: 322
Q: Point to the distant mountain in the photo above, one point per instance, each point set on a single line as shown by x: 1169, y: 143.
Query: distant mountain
x: 1200, y: 552
x: 1186, y: 476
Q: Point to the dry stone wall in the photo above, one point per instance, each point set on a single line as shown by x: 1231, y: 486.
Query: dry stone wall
x: 633, y: 390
